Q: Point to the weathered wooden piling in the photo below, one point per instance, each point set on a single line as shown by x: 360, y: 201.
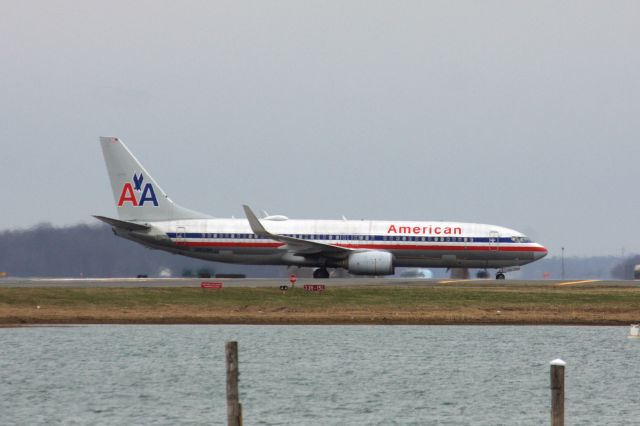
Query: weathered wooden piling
x: 557, y: 392
x: 234, y: 409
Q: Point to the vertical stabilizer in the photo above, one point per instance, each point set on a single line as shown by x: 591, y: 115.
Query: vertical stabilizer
x: 137, y: 195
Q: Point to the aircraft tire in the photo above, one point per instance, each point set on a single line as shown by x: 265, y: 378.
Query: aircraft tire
x: 321, y: 273
x: 483, y: 273
x: 499, y: 276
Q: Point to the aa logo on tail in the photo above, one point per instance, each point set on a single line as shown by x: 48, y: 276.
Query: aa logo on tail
x: 129, y: 191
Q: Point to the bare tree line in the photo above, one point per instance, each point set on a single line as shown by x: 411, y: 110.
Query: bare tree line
x: 93, y: 251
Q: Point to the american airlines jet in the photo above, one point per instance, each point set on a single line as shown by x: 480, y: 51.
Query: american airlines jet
x: 363, y: 247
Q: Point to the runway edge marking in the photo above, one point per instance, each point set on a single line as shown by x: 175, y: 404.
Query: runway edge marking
x: 449, y: 281
x: 577, y: 282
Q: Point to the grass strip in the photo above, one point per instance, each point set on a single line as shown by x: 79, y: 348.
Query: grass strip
x: 336, y: 305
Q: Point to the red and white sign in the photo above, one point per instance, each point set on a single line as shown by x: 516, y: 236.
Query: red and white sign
x: 314, y: 287
x: 211, y: 284
x: 293, y: 279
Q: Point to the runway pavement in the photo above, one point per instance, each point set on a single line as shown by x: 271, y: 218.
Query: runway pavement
x: 275, y: 283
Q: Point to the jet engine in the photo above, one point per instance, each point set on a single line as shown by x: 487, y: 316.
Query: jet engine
x: 370, y: 263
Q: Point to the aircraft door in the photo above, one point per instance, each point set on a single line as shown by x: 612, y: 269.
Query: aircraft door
x: 181, y: 235
x: 344, y: 237
x: 494, y: 241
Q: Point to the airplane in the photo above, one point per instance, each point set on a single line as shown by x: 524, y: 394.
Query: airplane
x: 148, y: 216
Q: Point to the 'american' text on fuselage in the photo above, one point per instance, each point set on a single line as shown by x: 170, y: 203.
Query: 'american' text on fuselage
x: 424, y: 230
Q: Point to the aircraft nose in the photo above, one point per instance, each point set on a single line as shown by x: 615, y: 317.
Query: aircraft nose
x: 540, y: 252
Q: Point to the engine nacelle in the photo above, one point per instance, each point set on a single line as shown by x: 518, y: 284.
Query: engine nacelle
x: 371, y: 263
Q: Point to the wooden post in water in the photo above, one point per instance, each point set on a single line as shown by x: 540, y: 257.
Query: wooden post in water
x: 234, y: 409
x: 557, y: 392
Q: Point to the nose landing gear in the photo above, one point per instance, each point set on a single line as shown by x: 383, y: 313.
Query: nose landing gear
x: 500, y: 272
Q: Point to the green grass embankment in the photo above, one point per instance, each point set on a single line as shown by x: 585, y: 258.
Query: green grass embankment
x: 386, y: 305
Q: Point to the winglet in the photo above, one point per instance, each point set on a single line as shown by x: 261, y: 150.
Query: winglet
x: 296, y: 245
x: 254, y: 222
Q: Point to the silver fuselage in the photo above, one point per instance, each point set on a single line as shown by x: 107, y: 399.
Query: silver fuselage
x: 420, y: 244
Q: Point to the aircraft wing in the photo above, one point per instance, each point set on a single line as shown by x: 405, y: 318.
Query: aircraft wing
x: 296, y: 245
x: 129, y: 226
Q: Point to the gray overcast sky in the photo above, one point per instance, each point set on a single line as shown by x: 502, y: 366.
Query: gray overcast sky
x: 521, y: 114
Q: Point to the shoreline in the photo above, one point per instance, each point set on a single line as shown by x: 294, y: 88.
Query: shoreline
x: 516, y: 318
x: 317, y: 323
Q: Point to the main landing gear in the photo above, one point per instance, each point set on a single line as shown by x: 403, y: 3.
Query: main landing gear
x: 321, y: 273
x: 482, y: 274
x: 499, y: 276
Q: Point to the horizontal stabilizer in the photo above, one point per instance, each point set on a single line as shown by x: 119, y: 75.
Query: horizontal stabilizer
x: 121, y: 224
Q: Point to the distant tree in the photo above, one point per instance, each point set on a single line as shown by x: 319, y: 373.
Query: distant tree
x: 206, y: 272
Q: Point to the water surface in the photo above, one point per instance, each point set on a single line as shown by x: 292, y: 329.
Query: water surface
x: 316, y: 375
